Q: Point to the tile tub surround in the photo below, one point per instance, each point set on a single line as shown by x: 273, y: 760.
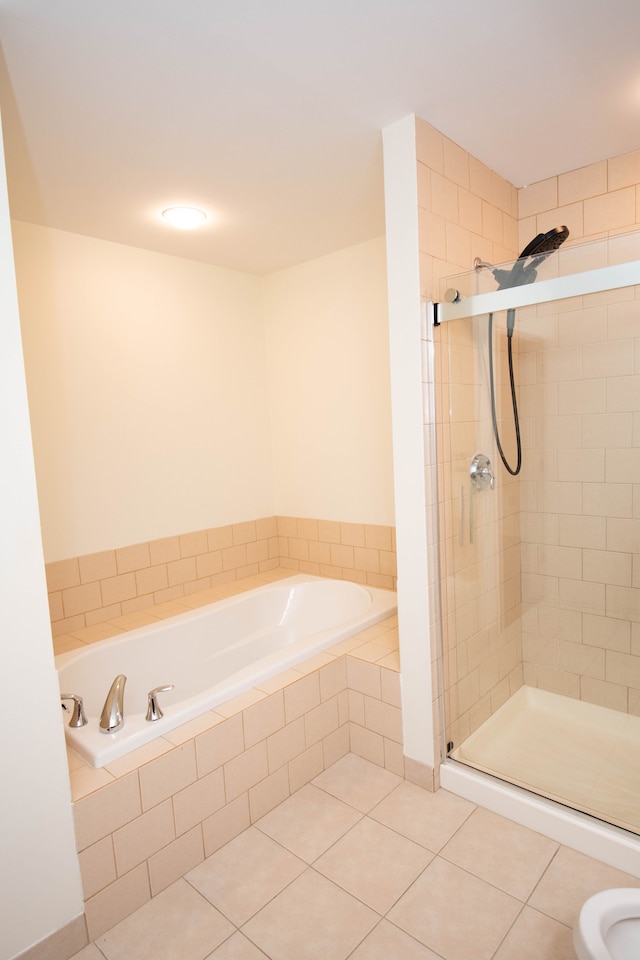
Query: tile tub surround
x: 84, y: 592
x: 376, y: 863
x: 145, y: 820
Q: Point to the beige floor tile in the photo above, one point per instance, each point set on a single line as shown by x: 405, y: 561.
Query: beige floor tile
x: 311, y: 919
x: 309, y: 822
x: 236, y: 947
x: 454, y: 913
x: 428, y: 818
x: 505, y: 854
x: 570, y: 879
x: 387, y: 942
x: 245, y: 874
x: 89, y: 952
x: 177, y: 923
x: 358, y: 782
x: 374, y: 863
x: 536, y: 937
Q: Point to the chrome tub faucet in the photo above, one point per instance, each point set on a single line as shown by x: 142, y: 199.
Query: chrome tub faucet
x: 112, y: 717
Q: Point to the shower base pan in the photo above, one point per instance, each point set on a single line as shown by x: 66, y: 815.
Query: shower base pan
x: 579, y: 754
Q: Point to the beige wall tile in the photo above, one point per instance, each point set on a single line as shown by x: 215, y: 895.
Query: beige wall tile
x: 97, y: 866
x: 624, y: 171
x: 219, y: 538
x: 144, y: 836
x: 198, y: 801
x: 444, y: 197
x: 263, y: 719
x: 117, y: 901
x: 165, y: 550
x: 538, y: 197
x: 581, y: 531
x: 480, y: 179
x: 268, y: 793
x: 623, y: 535
x: 608, y: 499
x: 151, y: 579
x: 333, y: 678
x: 193, y: 543
x: 623, y: 603
x: 364, y: 677
x: 305, y: 767
x: 220, y: 744
x: 432, y: 232
x: 383, y: 718
x: 96, y: 566
x: 181, y: 571
x: 585, y: 182
x: 321, y: 721
x: 429, y: 145
x: 102, y: 812
x: 246, y: 770
x: 135, y: 557
x: 301, y: 696
x: 469, y: 211
x: 116, y: 589
x: 76, y: 600
x: 456, y: 163
x: 603, y: 693
x: 226, y: 824
x: 607, y: 632
x: 286, y: 744
x: 606, y: 566
x: 167, y: 775
x: 244, y: 532
x: 367, y: 744
x: 610, y: 211
x: 176, y: 859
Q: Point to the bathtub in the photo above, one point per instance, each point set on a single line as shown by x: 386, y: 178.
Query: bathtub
x: 210, y: 655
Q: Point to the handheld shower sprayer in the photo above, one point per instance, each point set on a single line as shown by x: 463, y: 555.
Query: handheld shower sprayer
x: 535, y: 252
x: 524, y: 270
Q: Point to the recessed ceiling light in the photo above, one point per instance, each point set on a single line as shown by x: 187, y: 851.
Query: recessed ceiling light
x: 184, y: 218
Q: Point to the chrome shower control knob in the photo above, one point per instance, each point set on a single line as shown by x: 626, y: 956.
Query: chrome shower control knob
x: 481, y: 473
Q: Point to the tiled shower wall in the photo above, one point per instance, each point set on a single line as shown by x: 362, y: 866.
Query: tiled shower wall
x: 84, y: 592
x: 580, y: 525
x: 581, y: 402
x: 466, y: 210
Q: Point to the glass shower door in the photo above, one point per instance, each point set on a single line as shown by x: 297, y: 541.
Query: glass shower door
x: 541, y: 570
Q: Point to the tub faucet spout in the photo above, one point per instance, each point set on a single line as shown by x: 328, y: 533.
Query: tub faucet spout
x: 112, y: 717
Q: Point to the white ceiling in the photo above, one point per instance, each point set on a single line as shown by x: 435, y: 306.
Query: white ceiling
x: 268, y: 113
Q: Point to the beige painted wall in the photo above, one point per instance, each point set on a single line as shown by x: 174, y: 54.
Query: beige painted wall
x: 164, y: 395
x: 147, y: 392
x: 329, y: 388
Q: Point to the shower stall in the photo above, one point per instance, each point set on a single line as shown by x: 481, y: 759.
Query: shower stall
x: 540, y: 565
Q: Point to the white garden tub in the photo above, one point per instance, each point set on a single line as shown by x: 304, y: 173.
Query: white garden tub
x: 210, y: 655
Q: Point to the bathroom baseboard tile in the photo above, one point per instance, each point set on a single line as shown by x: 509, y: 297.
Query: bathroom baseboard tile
x: 64, y: 943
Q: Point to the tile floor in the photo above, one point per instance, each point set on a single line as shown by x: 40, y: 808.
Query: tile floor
x: 361, y: 864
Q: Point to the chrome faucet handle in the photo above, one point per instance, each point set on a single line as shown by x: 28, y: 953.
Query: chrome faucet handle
x: 153, y: 707
x: 78, y: 718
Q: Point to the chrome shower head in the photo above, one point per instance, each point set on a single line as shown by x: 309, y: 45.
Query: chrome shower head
x: 535, y: 252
